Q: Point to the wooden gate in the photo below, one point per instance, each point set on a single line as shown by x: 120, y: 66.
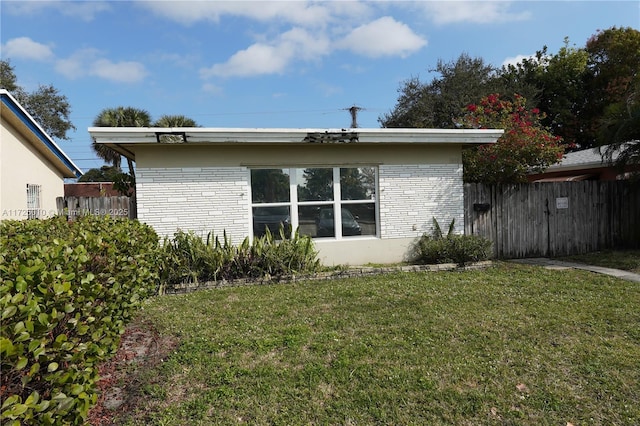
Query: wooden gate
x: 554, y: 218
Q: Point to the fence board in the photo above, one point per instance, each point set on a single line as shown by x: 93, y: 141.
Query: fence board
x: 73, y: 207
x: 554, y: 218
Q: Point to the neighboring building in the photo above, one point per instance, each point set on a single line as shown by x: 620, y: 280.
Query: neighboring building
x: 586, y: 164
x: 32, y: 166
x: 381, y: 187
x: 90, y: 189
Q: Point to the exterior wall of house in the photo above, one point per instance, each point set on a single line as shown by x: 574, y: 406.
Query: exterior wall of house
x: 412, y: 195
x: 206, y: 188
x: 199, y: 199
x: 22, y: 165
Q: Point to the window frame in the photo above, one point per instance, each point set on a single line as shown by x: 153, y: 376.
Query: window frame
x: 336, y: 203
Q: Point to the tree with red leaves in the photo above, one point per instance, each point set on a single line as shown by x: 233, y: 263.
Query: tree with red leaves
x: 525, y: 147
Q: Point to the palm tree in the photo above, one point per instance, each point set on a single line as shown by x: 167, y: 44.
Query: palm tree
x: 119, y: 117
x: 175, y: 121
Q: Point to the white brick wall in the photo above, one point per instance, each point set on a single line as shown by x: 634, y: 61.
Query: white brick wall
x: 201, y: 199
x: 205, y: 199
x: 412, y: 195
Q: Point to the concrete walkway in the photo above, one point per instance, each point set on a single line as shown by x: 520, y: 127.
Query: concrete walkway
x: 558, y: 264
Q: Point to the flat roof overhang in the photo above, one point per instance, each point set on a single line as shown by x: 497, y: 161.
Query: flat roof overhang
x: 125, y: 139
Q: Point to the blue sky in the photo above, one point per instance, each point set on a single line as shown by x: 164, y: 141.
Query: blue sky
x: 270, y: 63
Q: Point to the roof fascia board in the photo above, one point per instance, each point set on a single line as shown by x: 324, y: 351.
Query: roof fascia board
x: 148, y: 135
x: 18, y: 111
x: 580, y: 166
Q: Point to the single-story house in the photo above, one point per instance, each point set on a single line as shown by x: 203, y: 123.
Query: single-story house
x: 90, y: 189
x: 585, y: 164
x: 364, y: 195
x: 32, y: 166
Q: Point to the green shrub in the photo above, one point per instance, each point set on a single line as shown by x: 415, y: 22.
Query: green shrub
x: 66, y: 292
x: 460, y: 249
x: 464, y: 249
x: 187, y: 258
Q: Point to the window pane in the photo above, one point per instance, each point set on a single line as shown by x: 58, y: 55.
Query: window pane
x: 358, y: 183
x: 269, y: 185
x: 315, y: 185
x: 359, y: 219
x: 311, y: 222
x: 271, y: 218
x: 325, y: 221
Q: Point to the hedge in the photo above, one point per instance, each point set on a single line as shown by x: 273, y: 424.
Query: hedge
x: 459, y: 249
x: 67, y: 291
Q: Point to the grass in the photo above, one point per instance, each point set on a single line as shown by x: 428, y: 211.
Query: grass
x: 512, y: 344
x: 628, y: 260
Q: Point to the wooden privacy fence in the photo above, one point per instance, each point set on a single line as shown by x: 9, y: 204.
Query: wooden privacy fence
x: 73, y: 207
x: 554, y: 218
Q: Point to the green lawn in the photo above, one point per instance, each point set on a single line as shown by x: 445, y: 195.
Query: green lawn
x: 512, y: 344
x: 628, y: 260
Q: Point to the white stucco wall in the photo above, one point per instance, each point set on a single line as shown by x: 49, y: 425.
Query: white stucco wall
x: 21, y: 164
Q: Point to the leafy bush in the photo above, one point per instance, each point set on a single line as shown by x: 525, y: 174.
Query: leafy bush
x: 66, y: 292
x: 464, y: 249
x: 187, y: 258
x: 459, y: 249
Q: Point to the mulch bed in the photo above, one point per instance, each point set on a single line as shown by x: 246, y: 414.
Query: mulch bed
x: 140, y: 345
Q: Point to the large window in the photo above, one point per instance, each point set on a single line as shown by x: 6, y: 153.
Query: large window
x: 335, y: 202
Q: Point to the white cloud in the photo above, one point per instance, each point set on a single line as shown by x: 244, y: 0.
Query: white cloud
x: 84, y: 10
x: 25, y: 48
x: 76, y: 65
x: 516, y: 59
x: 293, y: 12
x: 89, y: 62
x: 383, y: 37
x: 478, y: 12
x: 257, y: 59
x: 311, y: 29
x: 271, y: 57
x: 122, y: 72
x: 212, y: 89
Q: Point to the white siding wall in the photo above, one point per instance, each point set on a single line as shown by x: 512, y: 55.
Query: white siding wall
x: 201, y: 199
x: 412, y: 195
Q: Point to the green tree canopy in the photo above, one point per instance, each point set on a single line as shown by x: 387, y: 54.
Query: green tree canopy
x: 614, y: 92
x: 46, y: 105
x: 103, y: 174
x: 557, y: 82
x: 438, y: 103
x: 587, y: 96
x: 175, y: 121
x: 8, y: 80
